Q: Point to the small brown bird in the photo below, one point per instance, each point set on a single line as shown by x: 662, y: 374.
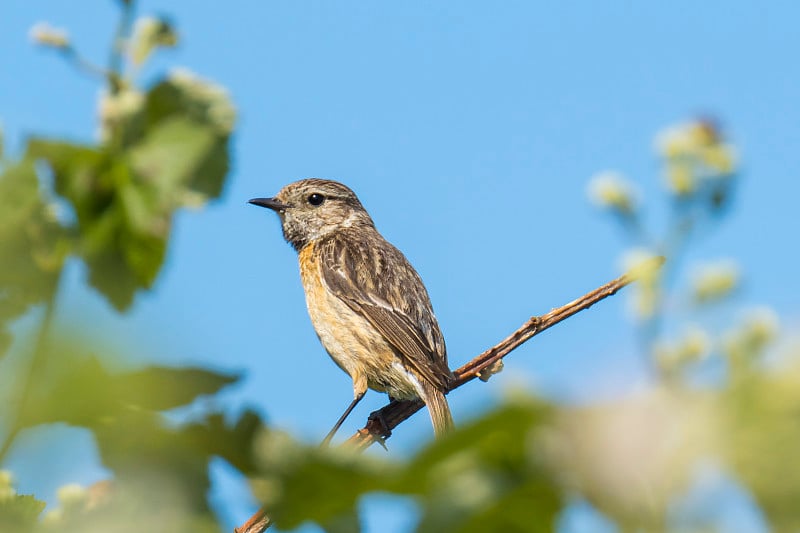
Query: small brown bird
x: 366, y: 302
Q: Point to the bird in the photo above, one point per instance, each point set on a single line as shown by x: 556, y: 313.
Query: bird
x: 366, y: 302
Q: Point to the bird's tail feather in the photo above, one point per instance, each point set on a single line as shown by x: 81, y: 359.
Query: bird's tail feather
x: 438, y: 409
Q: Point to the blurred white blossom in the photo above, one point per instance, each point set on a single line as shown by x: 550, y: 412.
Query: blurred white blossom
x: 694, y: 151
x: 645, y: 267
x: 112, y: 109
x: 150, y: 33
x: 43, y: 34
x: 715, y: 280
x: 610, y: 190
x: 693, y: 345
x: 72, y: 495
x: 213, y: 96
x: 6, y: 485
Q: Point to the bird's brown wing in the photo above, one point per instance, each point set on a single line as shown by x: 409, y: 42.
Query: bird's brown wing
x: 376, y: 280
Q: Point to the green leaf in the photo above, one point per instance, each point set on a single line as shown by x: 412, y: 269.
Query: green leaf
x: 78, y: 172
x: 302, y: 483
x: 232, y: 442
x: 32, y: 245
x: 348, y: 522
x: 19, y: 512
x: 172, y: 156
x: 159, y: 463
x: 208, y: 109
x: 169, y: 152
x: 123, y: 242
x: 760, y: 415
x: 98, y: 397
x: 162, y: 388
x: 485, y: 476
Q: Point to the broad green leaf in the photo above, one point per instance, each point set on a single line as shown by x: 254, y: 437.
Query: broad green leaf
x: 348, y: 522
x: 91, y: 181
x: 78, y: 172
x: 300, y: 483
x: 161, y: 388
x: 19, y: 513
x: 762, y: 429
x: 486, y: 475
x: 121, y: 237
x: 170, y: 152
x: 172, y: 156
x: 32, y: 245
x: 98, y: 397
x: 232, y: 442
x: 208, y: 108
x: 159, y: 463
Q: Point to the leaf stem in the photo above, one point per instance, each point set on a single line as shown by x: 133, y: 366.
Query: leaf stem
x: 38, y: 357
x: 121, y: 36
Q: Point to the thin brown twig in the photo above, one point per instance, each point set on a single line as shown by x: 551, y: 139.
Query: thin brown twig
x: 393, y: 414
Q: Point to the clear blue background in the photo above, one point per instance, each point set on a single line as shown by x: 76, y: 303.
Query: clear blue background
x: 469, y: 130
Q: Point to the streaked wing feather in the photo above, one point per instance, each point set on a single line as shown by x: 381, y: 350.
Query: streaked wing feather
x: 367, y: 276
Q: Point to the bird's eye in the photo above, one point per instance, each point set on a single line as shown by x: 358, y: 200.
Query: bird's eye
x: 316, y: 199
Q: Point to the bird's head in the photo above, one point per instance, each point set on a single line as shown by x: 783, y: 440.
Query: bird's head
x: 312, y: 208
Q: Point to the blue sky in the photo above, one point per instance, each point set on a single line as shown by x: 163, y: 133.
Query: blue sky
x: 469, y: 131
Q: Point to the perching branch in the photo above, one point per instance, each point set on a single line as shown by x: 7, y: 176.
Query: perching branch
x: 482, y: 366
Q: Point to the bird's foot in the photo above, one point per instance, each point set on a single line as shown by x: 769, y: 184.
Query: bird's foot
x: 385, y: 430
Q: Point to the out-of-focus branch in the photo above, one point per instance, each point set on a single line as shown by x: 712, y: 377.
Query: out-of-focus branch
x: 482, y: 366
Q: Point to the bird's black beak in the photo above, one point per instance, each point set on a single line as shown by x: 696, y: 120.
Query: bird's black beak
x: 269, y: 203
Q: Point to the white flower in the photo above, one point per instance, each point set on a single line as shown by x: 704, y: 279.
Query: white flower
x: 611, y: 190
x: 44, y: 34
x: 713, y: 281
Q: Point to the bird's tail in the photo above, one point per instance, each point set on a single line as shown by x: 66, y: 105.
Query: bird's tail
x: 438, y: 409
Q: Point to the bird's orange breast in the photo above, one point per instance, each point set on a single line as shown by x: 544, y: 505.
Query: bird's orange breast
x: 351, y: 341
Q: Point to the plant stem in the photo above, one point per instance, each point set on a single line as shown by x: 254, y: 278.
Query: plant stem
x: 38, y: 358
x: 121, y: 36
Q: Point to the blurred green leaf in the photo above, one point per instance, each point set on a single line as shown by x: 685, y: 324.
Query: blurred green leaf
x: 299, y: 483
x: 158, y: 464
x: 122, y: 253
x: 486, y: 476
x: 123, y: 507
x: 207, y: 109
x: 172, y: 157
x: 32, y: 245
x: 97, y: 397
x: 161, y: 388
x: 19, y: 513
x: 762, y: 423
x: 168, y: 152
x: 345, y: 523
x: 232, y: 442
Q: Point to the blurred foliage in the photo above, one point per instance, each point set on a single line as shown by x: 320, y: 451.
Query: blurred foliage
x: 486, y: 476
x: 109, y: 204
